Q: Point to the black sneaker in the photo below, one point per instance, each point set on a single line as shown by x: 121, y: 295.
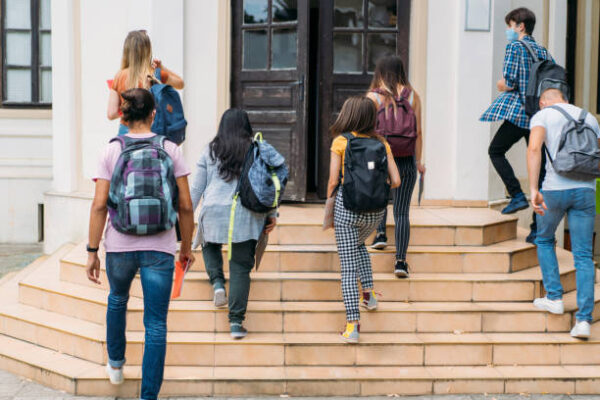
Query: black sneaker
x: 531, y: 237
x: 401, y: 269
x: 237, y: 330
x: 380, y: 242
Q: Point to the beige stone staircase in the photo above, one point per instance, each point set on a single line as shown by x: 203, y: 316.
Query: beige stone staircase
x: 462, y: 323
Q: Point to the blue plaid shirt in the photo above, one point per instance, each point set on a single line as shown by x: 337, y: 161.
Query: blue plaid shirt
x: 510, y: 106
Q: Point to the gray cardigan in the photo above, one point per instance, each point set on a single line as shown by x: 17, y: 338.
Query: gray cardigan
x: 217, y: 196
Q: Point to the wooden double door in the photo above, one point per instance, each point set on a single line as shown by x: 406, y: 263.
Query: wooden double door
x: 294, y: 62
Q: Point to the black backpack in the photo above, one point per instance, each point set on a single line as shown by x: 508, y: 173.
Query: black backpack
x: 365, y: 186
x: 544, y: 74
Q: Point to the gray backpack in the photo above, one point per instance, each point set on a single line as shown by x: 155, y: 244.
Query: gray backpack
x: 578, y: 156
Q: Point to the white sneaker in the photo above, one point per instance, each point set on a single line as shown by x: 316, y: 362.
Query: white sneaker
x: 552, y: 306
x: 115, y: 375
x: 220, y: 298
x: 581, y: 330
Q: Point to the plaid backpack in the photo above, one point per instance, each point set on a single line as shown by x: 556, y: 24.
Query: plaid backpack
x: 143, y: 196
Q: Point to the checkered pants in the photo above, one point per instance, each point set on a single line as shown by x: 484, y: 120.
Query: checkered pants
x: 351, y: 231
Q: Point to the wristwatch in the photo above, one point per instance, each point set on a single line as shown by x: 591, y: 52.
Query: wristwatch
x: 91, y: 249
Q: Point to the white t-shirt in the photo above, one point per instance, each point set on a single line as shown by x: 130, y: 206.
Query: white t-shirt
x: 553, y: 121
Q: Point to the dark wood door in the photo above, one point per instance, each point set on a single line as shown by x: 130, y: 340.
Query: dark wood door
x: 268, y: 77
x: 354, y: 35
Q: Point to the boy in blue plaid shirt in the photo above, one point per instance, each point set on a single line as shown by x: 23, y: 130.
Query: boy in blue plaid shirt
x: 509, y: 106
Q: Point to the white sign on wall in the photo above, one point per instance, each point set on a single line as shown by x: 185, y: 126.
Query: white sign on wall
x: 478, y: 15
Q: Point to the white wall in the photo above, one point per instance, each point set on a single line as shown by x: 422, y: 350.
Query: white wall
x: 101, y: 49
x: 474, y: 70
x: 442, y: 81
x: 204, y: 71
x: 25, y: 174
x: 459, y: 69
x: 185, y: 36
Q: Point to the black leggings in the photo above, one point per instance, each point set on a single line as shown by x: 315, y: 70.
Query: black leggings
x: 508, y: 134
x: 402, y: 196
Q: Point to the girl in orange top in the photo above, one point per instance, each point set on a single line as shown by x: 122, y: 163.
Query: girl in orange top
x: 359, y: 116
x: 136, y: 65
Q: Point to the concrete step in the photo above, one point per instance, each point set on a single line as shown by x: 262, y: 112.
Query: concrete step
x: 509, y: 256
x: 86, y: 340
x: 89, y: 304
x: 325, y: 286
x: 80, y: 377
x: 301, y: 224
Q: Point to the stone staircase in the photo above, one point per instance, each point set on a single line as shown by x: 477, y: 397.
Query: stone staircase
x: 462, y: 323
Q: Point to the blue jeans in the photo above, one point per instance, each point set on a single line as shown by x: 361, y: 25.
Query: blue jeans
x: 156, y: 271
x: 580, y: 207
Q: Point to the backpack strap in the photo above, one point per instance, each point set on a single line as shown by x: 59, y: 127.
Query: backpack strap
x: 121, y: 140
x: 234, y: 202
x: 157, y: 72
x: 379, y: 102
x: 159, y: 140
x: 348, y: 137
x: 568, y: 116
x: 582, y: 116
x: 530, y: 50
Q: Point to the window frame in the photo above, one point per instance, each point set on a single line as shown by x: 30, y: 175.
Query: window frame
x: 35, y: 67
x: 365, y: 31
x: 270, y: 26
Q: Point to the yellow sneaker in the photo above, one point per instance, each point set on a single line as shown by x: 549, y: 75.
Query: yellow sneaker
x: 351, y: 334
x: 368, y: 300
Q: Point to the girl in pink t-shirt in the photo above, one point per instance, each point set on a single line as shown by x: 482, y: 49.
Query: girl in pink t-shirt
x: 126, y: 254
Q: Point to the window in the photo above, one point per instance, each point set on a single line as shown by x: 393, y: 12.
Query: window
x: 26, y: 53
x: 269, y: 34
x: 364, y: 31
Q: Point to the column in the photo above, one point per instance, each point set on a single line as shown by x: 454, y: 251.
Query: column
x: 65, y: 101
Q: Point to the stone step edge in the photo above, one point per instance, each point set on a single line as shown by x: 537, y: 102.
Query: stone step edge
x: 81, y: 328
x: 513, y: 277
x: 503, y: 219
x: 507, y: 247
x: 300, y: 306
x: 46, y: 365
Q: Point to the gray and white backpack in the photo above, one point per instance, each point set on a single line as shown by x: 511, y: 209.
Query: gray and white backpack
x: 578, y: 155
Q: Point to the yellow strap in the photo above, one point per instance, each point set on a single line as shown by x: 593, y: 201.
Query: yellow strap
x: 277, y: 184
x: 258, y: 137
x: 231, y: 224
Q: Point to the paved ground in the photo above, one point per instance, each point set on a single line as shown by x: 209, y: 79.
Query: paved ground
x: 15, y: 388
x: 14, y: 257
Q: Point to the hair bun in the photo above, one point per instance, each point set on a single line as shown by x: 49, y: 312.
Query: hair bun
x: 137, y: 105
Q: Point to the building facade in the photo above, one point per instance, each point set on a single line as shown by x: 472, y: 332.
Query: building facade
x: 290, y: 63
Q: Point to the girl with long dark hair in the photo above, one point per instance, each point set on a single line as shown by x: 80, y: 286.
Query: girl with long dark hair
x: 399, y: 120
x: 216, y: 179
x: 358, y: 117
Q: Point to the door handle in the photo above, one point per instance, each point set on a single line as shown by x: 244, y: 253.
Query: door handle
x: 300, y: 84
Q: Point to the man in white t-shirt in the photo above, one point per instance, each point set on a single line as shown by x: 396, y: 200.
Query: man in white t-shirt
x: 562, y: 196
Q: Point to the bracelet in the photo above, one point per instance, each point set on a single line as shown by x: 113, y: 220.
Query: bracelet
x: 91, y: 249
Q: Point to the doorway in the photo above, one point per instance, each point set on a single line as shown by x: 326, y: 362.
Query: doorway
x: 294, y: 62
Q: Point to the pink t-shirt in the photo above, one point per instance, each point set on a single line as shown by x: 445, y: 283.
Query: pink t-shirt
x: 117, y: 242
